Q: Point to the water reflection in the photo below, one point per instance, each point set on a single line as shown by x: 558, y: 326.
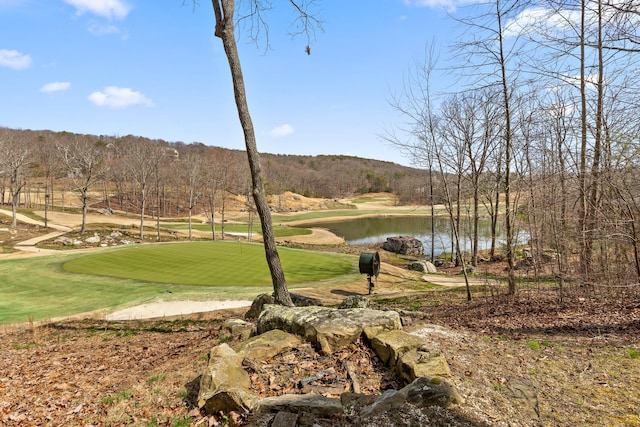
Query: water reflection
x: 362, y: 231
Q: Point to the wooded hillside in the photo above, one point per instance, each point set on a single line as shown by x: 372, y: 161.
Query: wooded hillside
x: 43, y: 161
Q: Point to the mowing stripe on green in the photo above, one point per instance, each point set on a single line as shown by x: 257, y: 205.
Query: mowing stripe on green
x: 215, y: 263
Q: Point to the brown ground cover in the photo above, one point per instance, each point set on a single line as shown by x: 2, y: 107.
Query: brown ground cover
x: 581, y: 355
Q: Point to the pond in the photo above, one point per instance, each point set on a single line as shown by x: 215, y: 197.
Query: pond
x: 370, y: 230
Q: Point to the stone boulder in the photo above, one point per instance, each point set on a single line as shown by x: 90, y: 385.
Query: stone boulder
x: 410, y: 355
x: 328, y: 329
x: 304, y: 301
x: 422, y: 362
x: 92, y: 239
x: 258, y: 304
x: 390, y: 345
x: 404, y: 245
x: 267, y: 345
x: 239, y: 328
x: 67, y: 241
x: 224, y: 385
x: 299, y: 403
x: 423, y: 392
x: 263, y: 299
x: 354, y: 301
x: 106, y: 211
x: 423, y: 266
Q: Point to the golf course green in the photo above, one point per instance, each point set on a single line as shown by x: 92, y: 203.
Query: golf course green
x: 41, y: 288
x: 215, y: 263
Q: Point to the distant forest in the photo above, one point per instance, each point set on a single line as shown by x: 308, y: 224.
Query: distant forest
x: 131, y: 170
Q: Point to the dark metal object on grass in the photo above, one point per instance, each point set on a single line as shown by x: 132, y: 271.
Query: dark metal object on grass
x: 369, y: 264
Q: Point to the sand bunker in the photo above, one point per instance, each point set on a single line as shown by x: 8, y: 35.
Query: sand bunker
x: 173, y: 308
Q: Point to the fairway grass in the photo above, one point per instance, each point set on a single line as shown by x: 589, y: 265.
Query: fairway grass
x: 42, y: 288
x: 278, y: 230
x: 219, y: 263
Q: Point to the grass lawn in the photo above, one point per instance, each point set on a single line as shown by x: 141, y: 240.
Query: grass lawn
x: 219, y: 263
x: 280, y: 231
x: 42, y: 288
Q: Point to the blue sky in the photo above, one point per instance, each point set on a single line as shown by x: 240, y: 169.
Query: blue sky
x: 155, y: 69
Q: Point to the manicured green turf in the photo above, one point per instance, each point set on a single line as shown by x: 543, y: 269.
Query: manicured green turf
x: 219, y: 263
x: 280, y: 231
x: 42, y: 288
x: 37, y: 289
x: 367, y: 200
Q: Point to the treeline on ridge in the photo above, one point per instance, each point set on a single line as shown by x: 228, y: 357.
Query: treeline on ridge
x: 180, y: 174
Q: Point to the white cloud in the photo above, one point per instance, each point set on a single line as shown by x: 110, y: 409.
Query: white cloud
x: 101, y: 30
x: 282, y: 130
x: 119, y: 97
x: 538, y: 20
x: 591, y: 81
x: 111, y: 9
x: 448, y: 5
x: 14, y: 59
x: 55, y: 87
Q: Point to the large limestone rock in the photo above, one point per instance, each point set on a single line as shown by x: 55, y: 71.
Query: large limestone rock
x: 410, y: 355
x: 327, y: 328
x: 423, y: 266
x: 267, y: 345
x: 299, y: 403
x: 404, y: 245
x: 263, y: 299
x: 423, y: 392
x: 390, y: 345
x: 355, y: 301
x: 236, y: 399
x: 258, y: 304
x: 224, y: 385
x: 422, y: 362
x: 239, y: 328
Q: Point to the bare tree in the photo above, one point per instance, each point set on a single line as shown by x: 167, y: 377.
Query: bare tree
x: 224, y: 11
x: 14, y: 161
x: 191, y: 165
x: 84, y: 163
x: 421, y: 140
x: 143, y: 157
x: 488, y: 59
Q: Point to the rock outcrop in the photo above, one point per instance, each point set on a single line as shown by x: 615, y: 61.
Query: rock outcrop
x: 404, y: 245
x: 263, y: 299
x: 424, y: 266
x: 422, y: 392
x: 328, y: 328
x: 225, y: 385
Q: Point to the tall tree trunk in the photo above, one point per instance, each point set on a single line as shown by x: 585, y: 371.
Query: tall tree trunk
x: 509, y: 217
x: 84, y: 196
x: 143, y: 202
x: 586, y: 252
x: 597, y: 150
x: 496, y: 208
x: 224, y: 11
x: 433, y: 212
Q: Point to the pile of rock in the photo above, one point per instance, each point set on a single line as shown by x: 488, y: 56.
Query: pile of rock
x: 225, y: 384
x: 114, y: 238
